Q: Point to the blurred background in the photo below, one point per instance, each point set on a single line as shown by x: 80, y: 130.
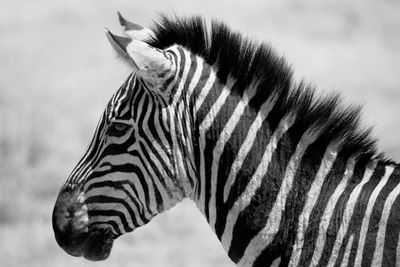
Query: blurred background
x: 57, y: 71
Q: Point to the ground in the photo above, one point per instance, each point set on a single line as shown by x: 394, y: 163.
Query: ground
x: 57, y: 71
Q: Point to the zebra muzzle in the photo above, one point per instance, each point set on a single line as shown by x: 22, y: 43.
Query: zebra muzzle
x: 72, y: 230
x: 70, y: 220
x: 99, y: 244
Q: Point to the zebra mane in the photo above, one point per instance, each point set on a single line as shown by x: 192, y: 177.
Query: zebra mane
x: 235, y: 56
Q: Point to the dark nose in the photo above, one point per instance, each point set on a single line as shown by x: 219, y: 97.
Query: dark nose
x: 70, y: 220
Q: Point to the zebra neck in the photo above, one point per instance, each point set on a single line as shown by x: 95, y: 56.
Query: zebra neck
x: 181, y: 123
x: 261, y: 186
x: 264, y: 189
x: 233, y: 141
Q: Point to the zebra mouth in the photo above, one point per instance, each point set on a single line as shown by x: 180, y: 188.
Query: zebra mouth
x: 98, y: 244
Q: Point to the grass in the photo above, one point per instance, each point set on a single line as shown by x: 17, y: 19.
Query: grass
x: 57, y: 71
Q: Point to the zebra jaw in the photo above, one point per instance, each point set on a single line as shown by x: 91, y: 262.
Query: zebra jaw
x: 154, y: 65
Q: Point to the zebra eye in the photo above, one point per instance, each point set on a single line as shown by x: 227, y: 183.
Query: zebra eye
x: 117, y: 129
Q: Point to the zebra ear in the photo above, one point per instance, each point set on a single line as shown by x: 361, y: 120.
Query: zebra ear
x: 152, y: 64
x: 135, y: 31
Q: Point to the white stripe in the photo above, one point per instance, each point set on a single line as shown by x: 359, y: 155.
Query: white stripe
x: 348, y: 212
x: 116, y: 207
x: 271, y: 228
x: 190, y: 156
x: 187, y: 164
x: 330, y: 207
x: 175, y: 50
x: 105, y: 219
x: 152, y: 205
x: 120, y: 98
x: 200, y: 201
x: 204, y: 92
x: 87, y: 169
x: 346, y: 255
x: 182, y: 82
x: 157, y: 146
x: 206, y: 89
x: 133, y: 180
x: 164, y: 111
x: 312, y: 196
x: 380, y: 238
x: 205, y: 124
x: 76, y: 173
x: 248, y: 143
x: 196, y: 77
x: 179, y: 162
x: 112, y: 192
x: 153, y: 141
x: 159, y: 166
x: 159, y: 121
x: 276, y: 262
x: 216, y: 107
x: 219, y: 148
x: 370, y: 206
x: 193, y: 84
x: 161, y: 188
x: 176, y: 113
x: 151, y: 183
x: 244, y: 200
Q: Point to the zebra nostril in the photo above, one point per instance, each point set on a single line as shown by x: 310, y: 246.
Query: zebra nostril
x: 70, y: 221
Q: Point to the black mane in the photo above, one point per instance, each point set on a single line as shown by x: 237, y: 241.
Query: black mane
x: 246, y: 61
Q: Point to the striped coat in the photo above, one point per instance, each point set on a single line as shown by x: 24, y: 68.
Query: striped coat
x: 280, y: 174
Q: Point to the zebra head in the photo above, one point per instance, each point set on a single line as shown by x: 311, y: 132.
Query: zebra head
x: 133, y: 168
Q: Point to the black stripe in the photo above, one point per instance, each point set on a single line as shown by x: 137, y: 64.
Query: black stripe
x: 159, y: 201
x: 227, y: 158
x: 308, y: 167
x: 211, y: 136
x: 358, y: 174
x: 119, y: 185
x: 355, y: 220
x: 256, y: 214
x: 179, y: 74
x: 189, y: 77
x: 373, y: 225
x: 329, y: 186
x: 95, y: 144
x: 154, y: 168
x: 127, y: 169
x: 103, y: 199
x: 208, y: 102
x: 110, y: 213
x: 182, y: 57
x: 392, y: 231
x: 113, y: 224
x: 136, y: 103
x: 195, y: 138
x: 149, y: 142
x: 154, y: 115
x: 205, y: 75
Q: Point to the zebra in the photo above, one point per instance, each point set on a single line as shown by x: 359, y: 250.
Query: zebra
x: 282, y: 175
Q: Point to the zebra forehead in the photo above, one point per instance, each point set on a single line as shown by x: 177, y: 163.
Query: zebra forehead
x: 121, y: 102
